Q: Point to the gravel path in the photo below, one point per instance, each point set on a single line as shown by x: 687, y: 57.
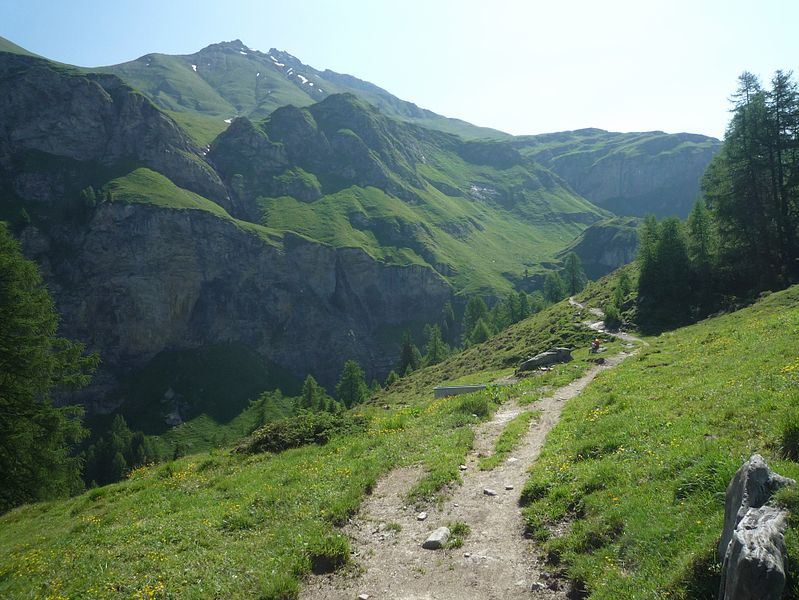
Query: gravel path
x: 495, y: 561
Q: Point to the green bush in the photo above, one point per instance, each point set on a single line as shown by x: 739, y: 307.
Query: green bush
x: 304, y: 428
x: 612, y: 316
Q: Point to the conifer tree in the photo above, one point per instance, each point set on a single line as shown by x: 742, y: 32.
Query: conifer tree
x: 476, y: 309
x: 435, y: 350
x: 392, y: 378
x: 448, y: 322
x: 647, y: 242
x: 480, y: 333
x: 554, y: 288
x: 312, y: 397
x: 36, y: 438
x: 410, y: 358
x: 351, y: 387
x: 624, y: 283
x: 573, y: 274
x: 524, y: 305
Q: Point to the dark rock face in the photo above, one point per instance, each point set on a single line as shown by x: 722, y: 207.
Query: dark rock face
x: 139, y: 279
x: 663, y: 185
x: 752, y: 545
x: 605, y: 246
x: 550, y: 357
x: 133, y: 280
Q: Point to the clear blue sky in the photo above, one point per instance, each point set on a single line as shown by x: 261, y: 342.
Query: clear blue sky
x: 521, y: 66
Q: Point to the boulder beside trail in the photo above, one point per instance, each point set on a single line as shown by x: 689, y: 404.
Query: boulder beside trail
x: 437, y: 539
x: 752, y: 546
x: 752, y: 486
x: 754, y: 566
x: 550, y: 357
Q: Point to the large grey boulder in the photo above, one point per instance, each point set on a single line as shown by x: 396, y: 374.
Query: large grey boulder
x: 752, y: 486
x: 752, y: 545
x: 754, y: 566
x: 550, y: 357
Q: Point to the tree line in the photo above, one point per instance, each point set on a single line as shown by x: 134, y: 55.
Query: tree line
x: 741, y: 237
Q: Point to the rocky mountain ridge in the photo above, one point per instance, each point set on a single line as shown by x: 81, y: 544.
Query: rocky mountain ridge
x: 229, y: 79
x: 631, y: 174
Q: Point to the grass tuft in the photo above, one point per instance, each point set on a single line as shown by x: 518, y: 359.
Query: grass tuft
x: 458, y: 530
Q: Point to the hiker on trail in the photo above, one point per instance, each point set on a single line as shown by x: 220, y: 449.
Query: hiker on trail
x: 595, y: 345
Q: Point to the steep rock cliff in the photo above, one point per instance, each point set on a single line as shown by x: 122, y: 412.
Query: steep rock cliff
x: 605, y: 246
x: 138, y: 279
x: 629, y: 174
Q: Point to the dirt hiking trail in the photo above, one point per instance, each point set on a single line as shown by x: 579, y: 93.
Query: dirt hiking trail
x: 495, y: 561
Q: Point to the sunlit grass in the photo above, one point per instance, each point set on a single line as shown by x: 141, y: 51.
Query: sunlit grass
x: 509, y: 439
x: 637, y: 468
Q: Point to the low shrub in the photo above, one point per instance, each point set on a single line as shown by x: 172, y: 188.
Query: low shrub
x: 304, y: 428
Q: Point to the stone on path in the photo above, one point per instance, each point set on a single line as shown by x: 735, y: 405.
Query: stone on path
x: 489, y: 492
x: 512, y: 459
x: 508, y: 487
x: 421, y: 516
x: 537, y: 586
x: 462, y: 467
x: 437, y: 539
x: 363, y: 597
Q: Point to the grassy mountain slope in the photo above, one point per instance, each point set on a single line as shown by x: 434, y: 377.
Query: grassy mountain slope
x: 637, y: 468
x: 342, y: 173
x: 630, y: 174
x: 238, y: 526
x: 229, y: 79
x: 9, y: 46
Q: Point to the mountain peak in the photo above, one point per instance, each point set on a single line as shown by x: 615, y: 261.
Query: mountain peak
x: 233, y: 46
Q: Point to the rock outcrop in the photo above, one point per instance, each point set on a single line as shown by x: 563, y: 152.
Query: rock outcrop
x: 605, y: 246
x: 751, y: 545
x: 550, y: 357
x: 138, y: 279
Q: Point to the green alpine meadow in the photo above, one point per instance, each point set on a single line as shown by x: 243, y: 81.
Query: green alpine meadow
x: 269, y: 331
